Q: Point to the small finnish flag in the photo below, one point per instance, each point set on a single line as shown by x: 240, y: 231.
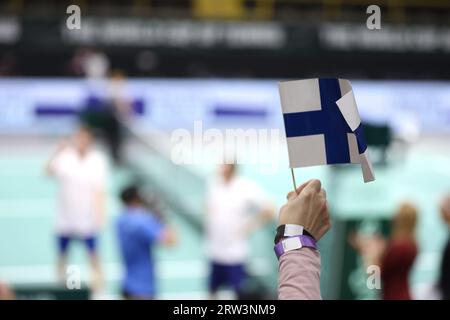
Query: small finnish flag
x: 322, y: 124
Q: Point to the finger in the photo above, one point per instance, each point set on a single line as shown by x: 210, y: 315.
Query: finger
x: 323, y: 193
x: 301, y: 187
x: 313, y: 186
x: 291, y: 195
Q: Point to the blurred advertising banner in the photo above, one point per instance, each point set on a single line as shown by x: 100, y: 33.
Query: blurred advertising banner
x: 167, y: 33
x: 52, y: 105
x: 262, y: 48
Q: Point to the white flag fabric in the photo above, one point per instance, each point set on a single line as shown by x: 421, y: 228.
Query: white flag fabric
x: 323, y: 125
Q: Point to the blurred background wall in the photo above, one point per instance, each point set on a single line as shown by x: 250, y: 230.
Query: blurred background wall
x: 234, y: 38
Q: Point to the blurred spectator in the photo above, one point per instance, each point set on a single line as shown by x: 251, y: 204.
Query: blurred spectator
x: 5, y: 292
x: 104, y: 111
x: 395, y: 256
x: 230, y: 201
x: 138, y: 230
x: 81, y: 173
x: 7, y: 65
x: 91, y: 63
x: 444, y: 279
x: 118, y: 95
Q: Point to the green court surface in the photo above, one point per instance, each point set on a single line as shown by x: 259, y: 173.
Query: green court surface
x: 27, y: 209
x: 27, y: 242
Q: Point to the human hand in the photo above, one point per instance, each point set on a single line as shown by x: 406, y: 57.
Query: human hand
x: 370, y: 247
x: 169, y: 237
x: 62, y: 145
x: 445, y: 209
x: 5, y: 292
x: 307, y: 206
x: 259, y: 221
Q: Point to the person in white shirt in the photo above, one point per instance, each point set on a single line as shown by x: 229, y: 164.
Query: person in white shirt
x: 81, y: 173
x: 235, y: 207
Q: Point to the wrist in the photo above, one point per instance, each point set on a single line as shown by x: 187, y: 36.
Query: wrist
x: 294, y: 243
x: 290, y: 230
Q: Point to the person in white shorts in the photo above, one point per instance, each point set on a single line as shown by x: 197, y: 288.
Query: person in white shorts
x: 235, y: 207
x: 81, y: 173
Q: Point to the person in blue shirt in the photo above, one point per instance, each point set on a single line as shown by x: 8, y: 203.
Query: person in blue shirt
x: 139, y: 229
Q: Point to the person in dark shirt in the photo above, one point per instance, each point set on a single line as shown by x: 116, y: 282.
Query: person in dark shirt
x: 138, y: 230
x: 444, y: 279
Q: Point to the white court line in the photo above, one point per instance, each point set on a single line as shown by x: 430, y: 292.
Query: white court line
x: 167, y: 269
x: 24, y: 215
x: 186, y: 295
x: 36, y: 274
x: 16, y: 208
x: 20, y: 208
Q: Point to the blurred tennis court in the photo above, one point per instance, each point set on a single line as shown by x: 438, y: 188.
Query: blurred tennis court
x: 27, y: 209
x: 28, y: 244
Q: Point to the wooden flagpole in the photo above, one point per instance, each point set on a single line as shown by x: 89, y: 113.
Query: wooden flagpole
x: 293, y: 179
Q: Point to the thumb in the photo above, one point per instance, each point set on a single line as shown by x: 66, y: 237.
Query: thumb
x: 293, y: 194
x: 302, y: 186
x: 312, y: 186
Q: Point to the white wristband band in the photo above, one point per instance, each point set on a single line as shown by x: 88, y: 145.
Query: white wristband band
x: 291, y: 230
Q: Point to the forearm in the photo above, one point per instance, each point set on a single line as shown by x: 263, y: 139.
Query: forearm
x: 299, y: 275
x: 299, y: 266
x: 49, y: 165
x: 260, y: 220
x: 101, y: 207
x: 168, y: 237
x: 48, y: 168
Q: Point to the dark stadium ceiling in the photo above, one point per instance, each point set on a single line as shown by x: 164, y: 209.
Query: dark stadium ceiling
x: 260, y: 38
x: 394, y: 11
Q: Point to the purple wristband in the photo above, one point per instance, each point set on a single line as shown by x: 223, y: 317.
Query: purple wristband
x: 293, y: 243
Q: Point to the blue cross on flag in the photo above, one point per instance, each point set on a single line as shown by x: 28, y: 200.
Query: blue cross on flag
x: 322, y: 124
